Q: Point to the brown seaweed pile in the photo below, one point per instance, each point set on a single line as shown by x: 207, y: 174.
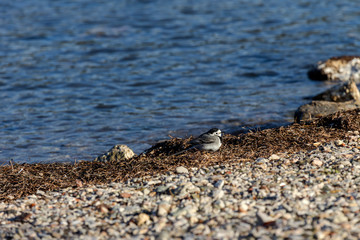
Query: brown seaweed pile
x: 19, y: 180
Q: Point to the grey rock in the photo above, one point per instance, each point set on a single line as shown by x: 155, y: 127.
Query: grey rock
x: 317, y: 109
x: 219, y: 184
x: 164, y: 235
x: 116, y: 154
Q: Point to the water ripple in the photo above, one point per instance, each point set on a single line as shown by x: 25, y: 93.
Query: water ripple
x: 77, y: 77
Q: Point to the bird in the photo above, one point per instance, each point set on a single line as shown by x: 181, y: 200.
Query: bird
x: 209, y: 141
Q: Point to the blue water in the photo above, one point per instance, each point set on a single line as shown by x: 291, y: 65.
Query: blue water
x: 79, y: 76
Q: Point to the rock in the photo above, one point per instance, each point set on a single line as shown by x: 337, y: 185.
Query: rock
x: 164, y: 235
x: 219, y: 184
x: 344, y: 68
x: 317, y: 162
x: 125, y: 195
x: 189, y: 210
x: 219, y: 204
x: 341, y: 93
x: 261, y: 161
x: 243, y: 207
x: 339, y: 217
x: 116, y: 154
x: 181, y: 170
x: 217, y: 194
x: 163, y: 209
x: 274, y: 157
x: 142, y: 218
x: 339, y: 143
x: 265, y: 219
x: 186, y: 189
x: 317, y: 109
x: 22, y: 217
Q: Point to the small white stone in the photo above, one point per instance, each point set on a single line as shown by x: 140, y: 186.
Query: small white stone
x: 339, y: 143
x: 146, y: 191
x: 339, y: 217
x: 243, y: 207
x: 317, y: 162
x: 274, y: 157
x: 218, y: 194
x: 181, y: 170
x: 163, y: 209
x: 164, y: 235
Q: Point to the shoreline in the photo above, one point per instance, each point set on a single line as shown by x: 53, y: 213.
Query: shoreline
x: 21, y: 180
x: 295, y: 181
x: 303, y: 195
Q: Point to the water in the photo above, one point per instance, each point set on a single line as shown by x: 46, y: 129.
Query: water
x: 79, y: 76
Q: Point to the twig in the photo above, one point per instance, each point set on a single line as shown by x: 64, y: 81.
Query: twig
x: 11, y: 163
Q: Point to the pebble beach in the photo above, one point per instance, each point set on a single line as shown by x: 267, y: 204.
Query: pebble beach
x: 304, y: 195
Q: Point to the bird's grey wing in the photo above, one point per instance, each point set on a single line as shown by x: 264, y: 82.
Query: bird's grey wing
x: 203, y: 139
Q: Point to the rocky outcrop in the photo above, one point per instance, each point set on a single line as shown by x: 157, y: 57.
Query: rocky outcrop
x: 116, y: 154
x: 340, y: 93
x: 344, y: 68
x: 342, y: 97
x: 317, y: 109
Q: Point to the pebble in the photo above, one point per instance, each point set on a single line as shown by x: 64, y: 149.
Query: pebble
x: 181, y: 170
x: 142, y: 219
x: 264, y: 219
x: 274, y: 157
x: 219, y: 184
x: 163, y: 209
x: 304, y: 195
x: 317, y: 162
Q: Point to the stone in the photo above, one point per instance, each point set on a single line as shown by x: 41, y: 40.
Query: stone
x: 343, y: 68
x: 125, y: 195
x: 317, y: 109
x: 142, y: 219
x: 274, y: 157
x: 219, y: 184
x: 317, y: 162
x: 117, y: 153
x: 181, y: 170
x: 339, y: 217
x: 163, y: 209
x: 217, y: 194
x: 243, y: 207
x: 164, y: 235
x: 265, y: 219
x: 184, y: 190
x: 339, y: 143
x: 343, y: 92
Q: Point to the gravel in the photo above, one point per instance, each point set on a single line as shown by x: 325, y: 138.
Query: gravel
x: 306, y: 195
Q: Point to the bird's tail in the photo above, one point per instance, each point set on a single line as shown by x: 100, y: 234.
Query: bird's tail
x: 185, y: 150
